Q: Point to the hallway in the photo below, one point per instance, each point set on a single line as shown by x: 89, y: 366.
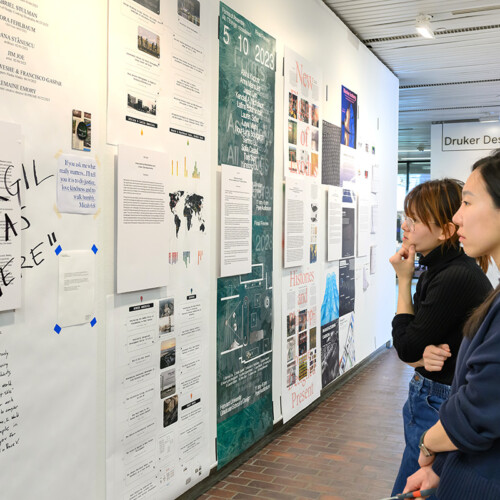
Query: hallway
x: 348, y: 448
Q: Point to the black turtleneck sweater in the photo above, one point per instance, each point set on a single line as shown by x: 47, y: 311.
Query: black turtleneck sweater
x: 446, y: 294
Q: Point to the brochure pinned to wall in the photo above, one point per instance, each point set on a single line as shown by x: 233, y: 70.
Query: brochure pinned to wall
x: 142, y: 228
x: 349, y: 118
x: 303, y: 134
x: 236, y: 221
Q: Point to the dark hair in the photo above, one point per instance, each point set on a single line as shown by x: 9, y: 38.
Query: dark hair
x: 436, y: 202
x: 489, y: 169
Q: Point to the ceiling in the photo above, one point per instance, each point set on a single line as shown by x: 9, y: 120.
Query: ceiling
x: 453, y: 77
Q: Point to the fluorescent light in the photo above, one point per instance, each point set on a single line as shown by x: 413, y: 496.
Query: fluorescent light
x: 423, y: 26
x: 490, y: 118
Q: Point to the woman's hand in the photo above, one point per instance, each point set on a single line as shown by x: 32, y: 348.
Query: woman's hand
x: 434, y: 357
x: 424, y: 461
x: 424, y: 479
x: 403, y: 262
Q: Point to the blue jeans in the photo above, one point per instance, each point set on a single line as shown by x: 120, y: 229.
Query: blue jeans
x: 420, y: 412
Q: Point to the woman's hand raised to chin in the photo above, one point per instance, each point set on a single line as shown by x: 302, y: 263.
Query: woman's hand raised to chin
x: 403, y: 262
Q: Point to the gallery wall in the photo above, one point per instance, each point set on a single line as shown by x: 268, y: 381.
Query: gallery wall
x: 71, y: 435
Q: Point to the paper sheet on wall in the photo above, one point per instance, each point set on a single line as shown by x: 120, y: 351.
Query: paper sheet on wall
x: 77, y: 184
x: 334, y: 233
x: 364, y: 223
x: 142, y: 233
x: 236, y: 221
x: 10, y: 237
x: 296, y: 223
x: 76, y: 287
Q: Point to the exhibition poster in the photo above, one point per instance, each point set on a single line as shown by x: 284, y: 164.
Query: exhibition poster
x: 330, y: 154
x: 349, y: 103
x: 300, y: 373
x: 157, y: 444
x: 334, y: 219
x: 247, y: 65
x: 347, y: 353
x: 157, y: 71
x: 330, y: 324
x: 11, y: 150
x: 302, y: 98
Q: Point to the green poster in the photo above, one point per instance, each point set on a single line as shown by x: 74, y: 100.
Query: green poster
x: 247, y: 62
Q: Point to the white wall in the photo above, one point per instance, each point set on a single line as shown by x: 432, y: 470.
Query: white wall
x: 455, y: 147
x: 60, y: 380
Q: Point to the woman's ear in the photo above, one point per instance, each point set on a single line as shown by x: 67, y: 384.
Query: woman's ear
x: 449, y: 230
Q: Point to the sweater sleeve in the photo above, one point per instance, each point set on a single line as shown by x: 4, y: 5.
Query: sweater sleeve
x: 450, y: 296
x: 471, y: 416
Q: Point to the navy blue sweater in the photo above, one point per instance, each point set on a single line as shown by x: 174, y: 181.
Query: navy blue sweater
x: 471, y: 418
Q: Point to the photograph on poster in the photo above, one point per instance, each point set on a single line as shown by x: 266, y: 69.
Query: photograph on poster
x: 170, y: 410
x: 346, y: 342
x: 81, y: 130
x: 312, y: 338
x: 292, y: 159
x: 167, y: 383
x: 292, y: 132
x: 304, y: 163
x: 291, y: 324
x: 302, y: 343
x: 291, y: 342
x: 148, y: 42
x: 312, y: 361
x: 152, y: 5
x: 314, y: 165
x: 303, y: 367
x: 314, y: 140
x: 167, y: 354
x: 292, y: 105
x: 349, y: 117
x: 190, y: 10
x: 142, y: 104
x: 314, y: 115
x: 166, y: 315
x: 187, y: 208
x: 304, y: 111
x: 303, y: 320
x: 291, y: 374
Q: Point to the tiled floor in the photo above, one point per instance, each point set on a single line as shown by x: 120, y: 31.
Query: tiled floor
x: 348, y: 448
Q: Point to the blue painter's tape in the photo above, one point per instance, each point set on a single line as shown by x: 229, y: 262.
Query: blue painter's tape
x: 58, y: 250
x: 94, y: 249
x: 93, y: 322
x: 57, y: 329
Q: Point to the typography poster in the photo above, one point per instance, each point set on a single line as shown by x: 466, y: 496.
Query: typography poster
x: 302, y: 133
x: 247, y: 62
x: 301, y: 373
x: 349, y: 118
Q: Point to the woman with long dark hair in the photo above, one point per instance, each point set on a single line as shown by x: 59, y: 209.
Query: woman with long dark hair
x: 460, y: 454
x: 427, y: 331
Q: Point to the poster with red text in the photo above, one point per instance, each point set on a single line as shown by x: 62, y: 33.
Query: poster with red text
x: 302, y: 105
x: 301, y: 350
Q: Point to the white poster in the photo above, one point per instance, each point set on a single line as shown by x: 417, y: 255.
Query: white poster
x: 76, y: 287
x: 334, y: 232
x: 157, y: 73
x: 142, y: 232
x: 157, y: 397
x: 296, y: 222
x: 11, y: 149
x: 77, y: 184
x: 301, y: 362
x: 236, y: 221
x: 364, y: 225
x: 302, y: 124
x: 313, y: 222
x: 347, y: 353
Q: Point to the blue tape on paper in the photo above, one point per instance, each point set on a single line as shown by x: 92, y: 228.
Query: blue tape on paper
x: 93, y: 322
x: 57, y: 329
x: 58, y: 250
x: 94, y: 249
